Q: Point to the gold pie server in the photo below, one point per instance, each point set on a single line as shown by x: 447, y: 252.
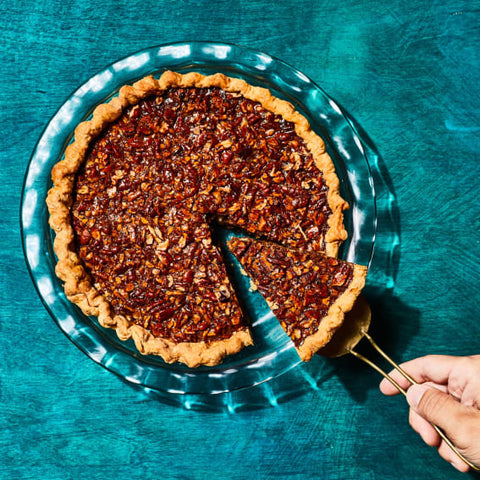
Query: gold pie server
x: 354, y: 329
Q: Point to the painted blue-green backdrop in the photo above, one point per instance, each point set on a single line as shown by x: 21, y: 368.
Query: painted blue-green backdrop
x: 408, y: 73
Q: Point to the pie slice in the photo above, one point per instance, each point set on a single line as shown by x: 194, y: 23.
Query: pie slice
x: 308, y: 292
x: 134, y: 197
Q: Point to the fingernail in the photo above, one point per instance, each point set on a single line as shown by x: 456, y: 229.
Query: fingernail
x: 415, y: 394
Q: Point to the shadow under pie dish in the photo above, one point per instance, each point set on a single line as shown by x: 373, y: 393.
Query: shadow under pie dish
x: 138, y: 189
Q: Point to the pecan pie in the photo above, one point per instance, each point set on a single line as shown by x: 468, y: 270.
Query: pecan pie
x: 308, y: 292
x: 135, y: 196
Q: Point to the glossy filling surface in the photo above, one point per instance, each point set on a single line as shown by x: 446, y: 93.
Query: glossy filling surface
x: 155, y: 179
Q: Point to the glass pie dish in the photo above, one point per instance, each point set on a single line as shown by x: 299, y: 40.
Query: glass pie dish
x: 273, y: 353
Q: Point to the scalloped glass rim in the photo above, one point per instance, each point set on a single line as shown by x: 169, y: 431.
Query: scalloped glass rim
x: 273, y: 354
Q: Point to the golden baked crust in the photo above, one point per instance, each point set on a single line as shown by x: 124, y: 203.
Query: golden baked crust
x: 78, y: 286
x: 335, y: 315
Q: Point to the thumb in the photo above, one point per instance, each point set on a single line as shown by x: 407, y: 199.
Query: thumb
x: 437, y: 407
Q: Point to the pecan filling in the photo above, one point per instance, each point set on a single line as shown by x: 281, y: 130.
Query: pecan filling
x: 299, y: 286
x: 153, y: 181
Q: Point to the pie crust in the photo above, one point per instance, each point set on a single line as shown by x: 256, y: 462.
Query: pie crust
x: 78, y: 285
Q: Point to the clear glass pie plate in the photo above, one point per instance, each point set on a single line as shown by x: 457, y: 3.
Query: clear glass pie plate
x: 273, y: 354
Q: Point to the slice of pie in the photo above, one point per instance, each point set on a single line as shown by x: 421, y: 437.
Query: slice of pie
x: 143, y: 180
x: 308, y: 292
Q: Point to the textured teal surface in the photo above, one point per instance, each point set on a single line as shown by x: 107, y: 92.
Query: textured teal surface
x: 408, y: 72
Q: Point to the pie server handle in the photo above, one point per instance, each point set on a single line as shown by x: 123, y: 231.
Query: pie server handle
x: 413, y: 382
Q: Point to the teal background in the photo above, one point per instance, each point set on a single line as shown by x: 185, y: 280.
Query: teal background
x: 408, y: 73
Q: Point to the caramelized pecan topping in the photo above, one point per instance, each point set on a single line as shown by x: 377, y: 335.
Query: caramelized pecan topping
x: 154, y: 179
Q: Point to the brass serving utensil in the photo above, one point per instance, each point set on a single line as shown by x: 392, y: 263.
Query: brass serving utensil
x: 353, y: 330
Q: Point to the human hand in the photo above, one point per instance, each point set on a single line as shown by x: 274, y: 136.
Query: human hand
x: 447, y: 395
